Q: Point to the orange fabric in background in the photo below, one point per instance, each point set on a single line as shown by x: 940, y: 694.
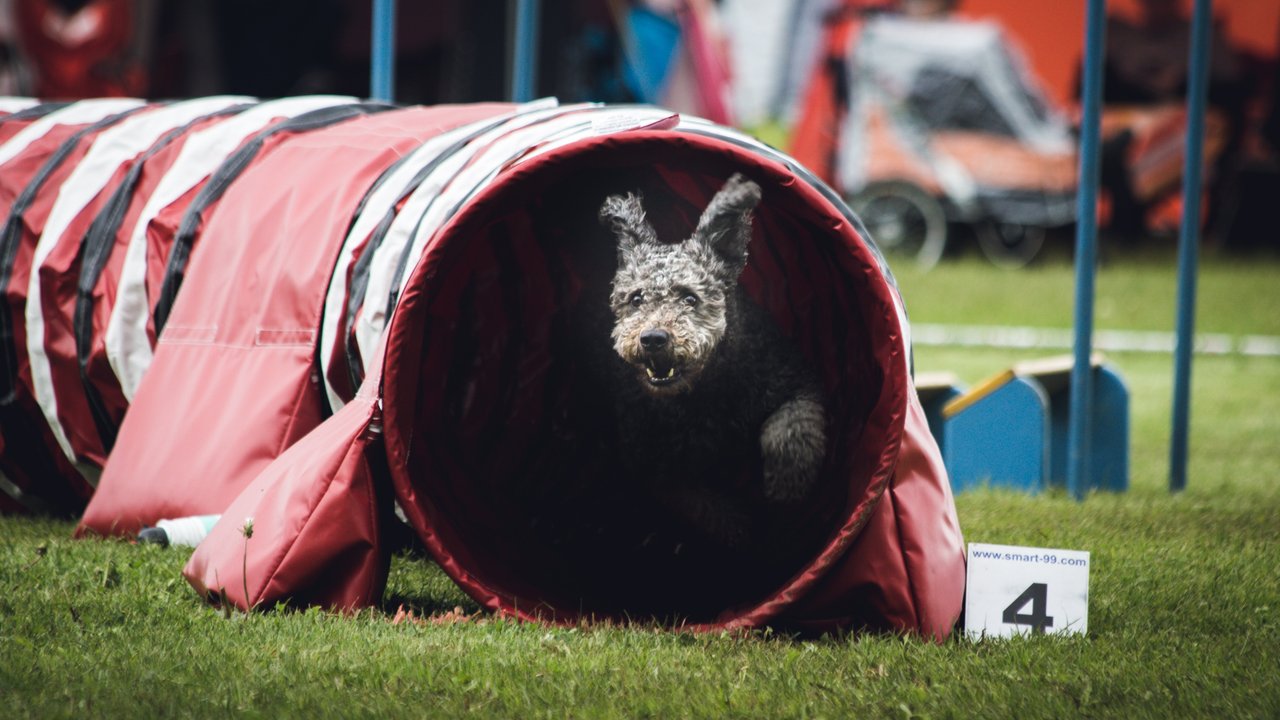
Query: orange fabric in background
x: 1051, y: 34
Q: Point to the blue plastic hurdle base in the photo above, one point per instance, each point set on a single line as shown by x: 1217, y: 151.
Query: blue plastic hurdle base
x: 1011, y: 430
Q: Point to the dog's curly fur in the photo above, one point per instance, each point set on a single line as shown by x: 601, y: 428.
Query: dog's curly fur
x: 703, y: 377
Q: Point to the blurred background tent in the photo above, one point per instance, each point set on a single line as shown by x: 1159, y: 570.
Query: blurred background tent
x: 780, y: 66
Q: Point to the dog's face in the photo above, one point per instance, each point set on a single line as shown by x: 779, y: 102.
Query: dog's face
x: 670, y: 300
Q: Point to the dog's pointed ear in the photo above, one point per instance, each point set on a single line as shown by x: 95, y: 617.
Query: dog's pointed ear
x: 624, y: 215
x: 725, y: 226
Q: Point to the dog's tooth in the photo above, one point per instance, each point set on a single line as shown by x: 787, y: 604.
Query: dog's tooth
x: 650, y: 371
x: 671, y: 373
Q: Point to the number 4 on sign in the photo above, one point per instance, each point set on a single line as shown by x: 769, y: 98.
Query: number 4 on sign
x: 1024, y: 590
x: 1037, y: 595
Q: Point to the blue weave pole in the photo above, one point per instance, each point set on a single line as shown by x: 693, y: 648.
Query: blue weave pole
x: 524, y: 59
x: 382, y: 64
x: 1189, y: 243
x: 1086, y: 253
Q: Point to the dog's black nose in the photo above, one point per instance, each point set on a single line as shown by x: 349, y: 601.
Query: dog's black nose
x: 654, y: 340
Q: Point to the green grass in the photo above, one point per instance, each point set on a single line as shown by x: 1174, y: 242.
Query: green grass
x: 1184, y: 596
x: 1234, y: 296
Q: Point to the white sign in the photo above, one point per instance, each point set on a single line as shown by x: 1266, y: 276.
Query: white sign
x: 1017, y: 590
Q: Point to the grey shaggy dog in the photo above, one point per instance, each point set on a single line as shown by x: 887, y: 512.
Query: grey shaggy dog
x: 707, y: 379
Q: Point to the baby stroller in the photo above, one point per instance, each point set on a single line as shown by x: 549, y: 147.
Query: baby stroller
x: 942, y: 125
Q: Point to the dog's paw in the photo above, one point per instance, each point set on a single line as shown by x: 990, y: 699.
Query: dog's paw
x: 793, y: 443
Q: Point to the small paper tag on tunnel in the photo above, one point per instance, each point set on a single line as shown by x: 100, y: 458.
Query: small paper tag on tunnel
x: 622, y: 122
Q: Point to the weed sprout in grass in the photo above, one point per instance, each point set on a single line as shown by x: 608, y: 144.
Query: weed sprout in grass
x: 247, y: 531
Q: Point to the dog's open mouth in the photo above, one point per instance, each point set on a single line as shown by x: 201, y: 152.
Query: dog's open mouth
x: 660, y: 371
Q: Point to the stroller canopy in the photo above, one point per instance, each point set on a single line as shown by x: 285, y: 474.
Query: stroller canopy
x: 948, y: 105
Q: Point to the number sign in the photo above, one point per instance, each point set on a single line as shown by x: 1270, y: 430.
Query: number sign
x: 1020, y: 590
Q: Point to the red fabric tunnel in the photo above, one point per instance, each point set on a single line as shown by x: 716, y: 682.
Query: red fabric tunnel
x: 364, y: 303
x: 490, y: 424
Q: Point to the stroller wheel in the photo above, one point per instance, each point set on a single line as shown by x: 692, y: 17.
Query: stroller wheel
x: 1009, y: 245
x: 904, y: 221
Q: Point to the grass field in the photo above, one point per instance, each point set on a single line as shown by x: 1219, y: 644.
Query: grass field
x: 1185, y: 589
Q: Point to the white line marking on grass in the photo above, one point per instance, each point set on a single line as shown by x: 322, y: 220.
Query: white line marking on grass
x: 1108, y: 340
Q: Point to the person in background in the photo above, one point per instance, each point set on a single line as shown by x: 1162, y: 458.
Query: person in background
x: 1145, y: 74
x: 926, y: 9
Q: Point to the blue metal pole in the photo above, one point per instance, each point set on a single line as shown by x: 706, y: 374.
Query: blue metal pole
x: 1189, y: 242
x: 382, y: 61
x: 1080, y: 428
x: 524, y: 60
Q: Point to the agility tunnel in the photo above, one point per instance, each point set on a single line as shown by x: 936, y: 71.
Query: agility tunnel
x: 301, y: 312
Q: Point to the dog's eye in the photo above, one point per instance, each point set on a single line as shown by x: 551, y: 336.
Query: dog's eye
x: 637, y: 299
x: 690, y: 299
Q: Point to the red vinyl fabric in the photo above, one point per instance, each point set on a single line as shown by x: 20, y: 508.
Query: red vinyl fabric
x: 88, y: 392
x: 128, y: 290
x: 23, y: 113
x: 240, y: 342
x: 126, y: 250
x: 77, y: 179
x: 308, y: 530
x: 36, y: 161
x: 901, y: 571
x: 447, y: 262
x: 115, y: 158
